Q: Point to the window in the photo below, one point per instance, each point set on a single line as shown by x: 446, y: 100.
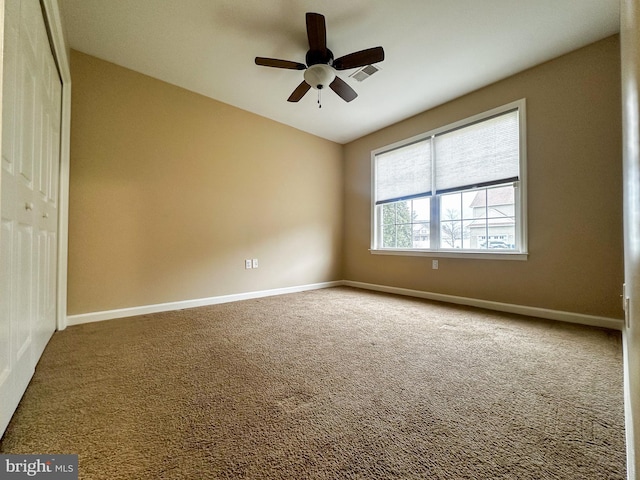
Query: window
x: 456, y: 190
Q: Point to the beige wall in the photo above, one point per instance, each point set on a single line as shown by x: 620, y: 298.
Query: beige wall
x: 170, y: 191
x: 574, y: 193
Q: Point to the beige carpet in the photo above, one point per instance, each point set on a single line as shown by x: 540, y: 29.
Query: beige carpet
x: 329, y: 384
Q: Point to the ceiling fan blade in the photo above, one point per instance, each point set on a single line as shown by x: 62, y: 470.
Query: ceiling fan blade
x: 274, y: 62
x: 359, y: 59
x: 299, y: 92
x: 343, y: 90
x: 316, y: 32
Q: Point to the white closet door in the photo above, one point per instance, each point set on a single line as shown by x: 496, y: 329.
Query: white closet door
x: 29, y: 205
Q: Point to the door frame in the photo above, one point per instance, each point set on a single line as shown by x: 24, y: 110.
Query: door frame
x: 53, y: 21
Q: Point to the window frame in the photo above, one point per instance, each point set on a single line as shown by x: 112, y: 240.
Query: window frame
x: 520, y: 199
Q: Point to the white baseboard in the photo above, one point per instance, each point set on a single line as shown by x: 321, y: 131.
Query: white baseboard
x: 592, y: 320
x: 200, y: 302
x: 580, y: 318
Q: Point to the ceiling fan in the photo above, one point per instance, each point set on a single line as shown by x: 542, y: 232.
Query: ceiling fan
x: 320, y: 68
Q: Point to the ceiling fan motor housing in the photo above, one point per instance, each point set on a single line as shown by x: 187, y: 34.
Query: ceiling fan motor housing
x: 319, y: 76
x: 315, y: 57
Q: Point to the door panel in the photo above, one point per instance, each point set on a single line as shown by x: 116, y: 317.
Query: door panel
x: 29, y: 216
x: 23, y: 280
x: 40, y: 279
x: 27, y: 127
x: 43, y: 174
x: 6, y: 274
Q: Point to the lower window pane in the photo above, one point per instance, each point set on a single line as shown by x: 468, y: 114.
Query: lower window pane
x: 389, y: 236
x: 421, y: 210
x: 421, y: 235
x: 404, y: 236
x: 478, y: 234
x: 466, y: 235
x: 451, y: 234
x: 483, y: 221
x: 450, y: 206
x: 501, y: 234
x: 389, y: 214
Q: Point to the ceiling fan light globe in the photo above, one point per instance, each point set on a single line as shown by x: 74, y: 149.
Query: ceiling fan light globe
x: 319, y: 76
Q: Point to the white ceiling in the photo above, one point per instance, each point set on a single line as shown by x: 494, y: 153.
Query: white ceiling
x: 436, y: 50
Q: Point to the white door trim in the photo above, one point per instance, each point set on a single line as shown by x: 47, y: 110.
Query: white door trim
x: 61, y: 54
x: 630, y: 74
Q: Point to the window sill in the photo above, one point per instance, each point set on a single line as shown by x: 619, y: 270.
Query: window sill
x: 476, y: 255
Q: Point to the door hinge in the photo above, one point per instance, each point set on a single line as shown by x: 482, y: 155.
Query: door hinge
x: 625, y: 305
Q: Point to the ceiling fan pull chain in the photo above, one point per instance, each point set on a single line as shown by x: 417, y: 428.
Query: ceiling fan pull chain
x: 319, y: 98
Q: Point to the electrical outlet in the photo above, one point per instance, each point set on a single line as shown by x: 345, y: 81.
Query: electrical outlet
x: 247, y: 264
x: 434, y: 264
x: 255, y: 263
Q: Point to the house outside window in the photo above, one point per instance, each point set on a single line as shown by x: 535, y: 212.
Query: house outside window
x: 457, y: 190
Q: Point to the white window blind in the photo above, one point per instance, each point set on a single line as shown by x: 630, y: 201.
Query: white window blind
x: 480, y: 154
x: 403, y: 173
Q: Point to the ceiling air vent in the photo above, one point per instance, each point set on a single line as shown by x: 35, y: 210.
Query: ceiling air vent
x: 363, y: 73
